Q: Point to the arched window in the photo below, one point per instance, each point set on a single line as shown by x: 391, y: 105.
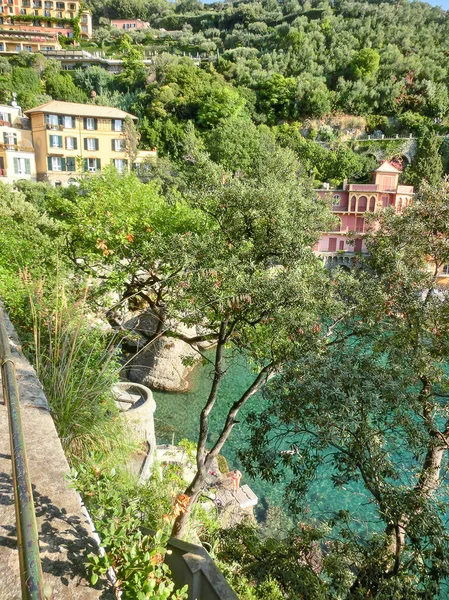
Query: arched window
x: 372, y: 204
x: 353, y: 202
x: 336, y: 200
x: 363, y: 201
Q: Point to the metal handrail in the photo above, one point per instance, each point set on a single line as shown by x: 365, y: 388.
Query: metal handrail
x: 31, y: 577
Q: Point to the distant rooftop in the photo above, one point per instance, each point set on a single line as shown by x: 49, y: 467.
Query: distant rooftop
x: 57, y: 107
x: 387, y: 167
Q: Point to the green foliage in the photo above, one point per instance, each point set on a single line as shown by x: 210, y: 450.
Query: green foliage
x: 134, y: 72
x: 77, y: 367
x: 61, y: 87
x: 427, y: 164
x: 27, y: 85
x: 366, y: 407
x: 137, y: 558
x: 32, y: 241
x: 223, y: 466
x: 365, y: 63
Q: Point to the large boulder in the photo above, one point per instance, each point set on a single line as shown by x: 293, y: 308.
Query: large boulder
x: 165, y: 362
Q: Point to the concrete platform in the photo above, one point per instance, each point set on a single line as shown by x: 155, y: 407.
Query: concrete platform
x: 64, y: 532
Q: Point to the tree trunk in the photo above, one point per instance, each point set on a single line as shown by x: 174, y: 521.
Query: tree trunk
x: 193, y: 492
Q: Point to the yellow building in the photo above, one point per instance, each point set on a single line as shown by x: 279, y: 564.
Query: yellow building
x: 16, y: 146
x: 34, y: 25
x: 71, y: 139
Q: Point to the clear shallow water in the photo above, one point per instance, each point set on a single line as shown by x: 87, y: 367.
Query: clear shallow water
x: 177, y: 417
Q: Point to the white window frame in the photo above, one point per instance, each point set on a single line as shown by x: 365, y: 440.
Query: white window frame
x: 55, y: 141
x: 68, y: 122
x: 90, y: 121
x: 119, y: 164
x: 91, y: 144
x: 10, y: 139
x: 70, y: 143
x: 90, y: 162
x: 22, y: 166
x: 118, y: 125
x: 118, y: 145
x: 56, y: 163
x: 52, y: 120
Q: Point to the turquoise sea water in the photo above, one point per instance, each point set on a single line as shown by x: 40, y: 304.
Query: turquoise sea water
x: 177, y: 417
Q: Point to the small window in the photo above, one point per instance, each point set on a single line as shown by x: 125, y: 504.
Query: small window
x: 120, y: 164
x: 6, y: 117
x: 90, y: 124
x: 92, y: 165
x: 22, y: 166
x: 70, y: 143
x: 10, y: 139
x: 117, y: 145
x: 58, y: 183
x: 56, y: 141
x: 52, y: 120
x: 91, y: 144
x: 56, y: 163
x: 68, y: 122
x: 446, y: 269
x: 336, y: 200
x: 117, y: 125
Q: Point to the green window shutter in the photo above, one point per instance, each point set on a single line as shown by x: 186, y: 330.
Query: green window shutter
x: 49, y: 163
x: 70, y: 164
x: 59, y: 141
x: 51, y: 140
x: 16, y: 166
x: 125, y: 164
x: 85, y: 123
x: 95, y: 124
x: 27, y: 166
x: 63, y: 167
x: 86, y: 165
x: 85, y: 143
x: 9, y: 118
x: 113, y: 145
x: 97, y: 144
x: 75, y: 144
x: 60, y: 120
x: 98, y: 161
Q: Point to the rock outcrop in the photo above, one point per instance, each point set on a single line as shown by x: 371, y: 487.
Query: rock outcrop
x: 164, y: 363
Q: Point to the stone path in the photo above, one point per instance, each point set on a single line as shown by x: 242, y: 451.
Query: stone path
x: 64, y: 532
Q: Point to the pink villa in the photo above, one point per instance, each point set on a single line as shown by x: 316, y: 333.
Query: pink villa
x: 129, y: 24
x: 351, y: 204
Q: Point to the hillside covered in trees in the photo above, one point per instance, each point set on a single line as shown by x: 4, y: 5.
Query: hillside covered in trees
x: 294, y: 59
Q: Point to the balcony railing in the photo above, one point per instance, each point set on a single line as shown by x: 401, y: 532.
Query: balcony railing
x: 53, y: 126
x: 15, y: 148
